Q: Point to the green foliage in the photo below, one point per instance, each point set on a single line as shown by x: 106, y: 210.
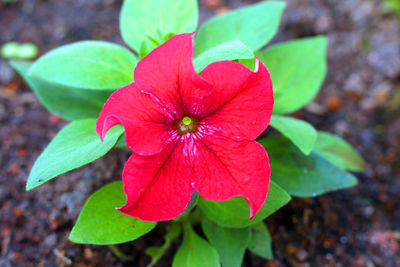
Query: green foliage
x: 250, y: 63
x: 226, y: 51
x: 298, y: 69
x: 394, y: 5
x: 75, y: 145
x: 75, y: 80
x: 100, y: 223
x: 66, y: 102
x: 235, y: 212
x: 19, y: 51
x: 338, y: 152
x: 300, y: 175
x: 94, y: 65
x: 157, y: 252
x: 121, y: 143
x: 301, y: 133
x: 230, y: 243
x: 254, y: 25
x: 145, y: 23
x: 260, y: 241
x: 195, y: 251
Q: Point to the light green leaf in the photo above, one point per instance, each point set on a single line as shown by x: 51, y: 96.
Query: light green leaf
x: 260, y: 241
x: 88, y: 65
x: 230, y: 243
x: 10, y: 50
x: 99, y: 223
x: 226, y: 51
x: 235, y: 212
x: 195, y: 251
x: 19, y: 51
x: 157, y: 252
x: 75, y: 145
x: 66, y: 102
x: 301, y: 133
x: 338, y: 152
x: 298, y: 69
x: 147, y: 20
x: 254, y: 25
x: 300, y: 175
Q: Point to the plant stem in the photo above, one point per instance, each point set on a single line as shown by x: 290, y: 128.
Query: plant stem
x: 119, y: 253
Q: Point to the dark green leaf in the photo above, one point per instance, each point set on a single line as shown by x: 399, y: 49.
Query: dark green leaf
x: 235, y: 212
x: 249, y: 62
x: 300, y: 175
x: 227, y: 51
x: 260, y: 241
x: 147, y: 20
x: 66, y: 102
x: 157, y: 252
x: 121, y: 143
x: 301, y: 133
x: 338, y: 152
x: 230, y: 243
x: 298, y: 69
x: 88, y: 65
x: 254, y: 25
x: 99, y: 223
x: 393, y: 5
x: 195, y: 251
x: 74, y: 146
x: 146, y: 47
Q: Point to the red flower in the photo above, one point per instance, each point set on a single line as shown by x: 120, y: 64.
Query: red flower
x: 191, y: 132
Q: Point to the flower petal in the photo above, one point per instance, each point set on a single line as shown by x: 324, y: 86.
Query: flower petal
x: 167, y: 74
x: 157, y: 187
x: 242, y: 101
x: 226, y: 168
x: 148, y: 127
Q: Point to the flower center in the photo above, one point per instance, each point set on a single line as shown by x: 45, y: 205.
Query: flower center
x: 186, y: 120
x: 186, y: 124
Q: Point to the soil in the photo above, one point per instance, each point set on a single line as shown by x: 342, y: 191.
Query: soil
x: 360, y: 101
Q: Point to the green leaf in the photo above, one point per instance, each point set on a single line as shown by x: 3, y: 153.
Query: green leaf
x: 75, y: 145
x: 195, y: 251
x: 226, y: 51
x: 10, y: 50
x: 66, y: 102
x: 121, y: 143
x: 88, y: 65
x: 338, y: 152
x: 19, y: 51
x: 235, y: 212
x: 249, y: 62
x: 147, y: 20
x: 301, y: 133
x: 300, y: 175
x: 157, y: 252
x: 99, y: 223
x: 230, y: 243
x: 394, y: 5
x: 260, y: 241
x: 254, y: 25
x: 298, y: 69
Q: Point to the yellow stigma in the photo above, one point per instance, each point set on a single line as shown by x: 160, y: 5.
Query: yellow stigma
x: 187, y: 121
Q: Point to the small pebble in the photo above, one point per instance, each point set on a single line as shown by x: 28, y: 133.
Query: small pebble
x: 301, y: 254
